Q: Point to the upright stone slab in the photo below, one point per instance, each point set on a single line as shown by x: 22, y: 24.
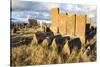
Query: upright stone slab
x: 71, y: 24
x: 62, y: 24
x: 80, y: 27
x: 54, y: 19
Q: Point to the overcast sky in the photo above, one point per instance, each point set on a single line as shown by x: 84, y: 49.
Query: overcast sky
x: 22, y: 10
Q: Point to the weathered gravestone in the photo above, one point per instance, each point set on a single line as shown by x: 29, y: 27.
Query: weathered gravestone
x: 80, y: 27
x: 32, y: 23
x: 39, y: 37
x: 62, y: 24
x: 55, y: 20
x: 71, y: 25
x: 74, y: 43
x: 59, y: 41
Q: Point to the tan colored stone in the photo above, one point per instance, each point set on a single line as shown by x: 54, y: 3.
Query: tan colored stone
x: 55, y: 19
x: 63, y: 24
x: 68, y: 24
x: 71, y: 24
x: 80, y: 27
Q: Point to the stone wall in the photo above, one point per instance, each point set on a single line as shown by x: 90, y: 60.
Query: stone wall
x: 68, y: 24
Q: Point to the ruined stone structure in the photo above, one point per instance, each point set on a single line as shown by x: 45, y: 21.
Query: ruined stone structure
x: 68, y: 24
x: 32, y: 22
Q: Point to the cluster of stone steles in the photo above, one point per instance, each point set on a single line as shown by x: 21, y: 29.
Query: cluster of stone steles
x: 18, y: 26
x: 74, y: 29
x: 48, y: 37
x: 66, y: 30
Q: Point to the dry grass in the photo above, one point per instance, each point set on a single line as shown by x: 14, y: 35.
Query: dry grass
x: 34, y: 54
x: 39, y: 54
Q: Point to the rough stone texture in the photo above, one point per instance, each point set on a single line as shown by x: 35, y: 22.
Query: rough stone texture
x: 55, y: 19
x: 32, y: 22
x: 39, y: 37
x: 63, y: 24
x: 74, y: 43
x: 71, y: 24
x: 80, y: 27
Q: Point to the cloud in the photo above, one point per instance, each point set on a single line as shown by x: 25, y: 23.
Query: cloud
x: 41, y: 10
x: 15, y: 3
x: 51, y: 5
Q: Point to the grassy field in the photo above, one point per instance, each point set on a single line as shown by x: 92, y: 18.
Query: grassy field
x: 34, y: 54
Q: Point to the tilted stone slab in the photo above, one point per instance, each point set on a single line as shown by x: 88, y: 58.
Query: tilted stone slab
x: 39, y: 37
x: 74, y: 43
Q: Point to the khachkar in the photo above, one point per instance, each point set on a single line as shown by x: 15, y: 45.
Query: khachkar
x: 81, y: 27
x: 68, y: 24
x: 55, y: 20
x: 62, y: 24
